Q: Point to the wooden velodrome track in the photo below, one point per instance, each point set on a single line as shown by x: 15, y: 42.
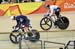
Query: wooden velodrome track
x: 6, y: 24
x: 55, y: 34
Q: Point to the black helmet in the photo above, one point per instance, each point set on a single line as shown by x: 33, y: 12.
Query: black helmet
x: 47, y: 5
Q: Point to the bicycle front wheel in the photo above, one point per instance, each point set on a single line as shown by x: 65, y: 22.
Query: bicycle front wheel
x: 14, y: 37
x: 45, y: 23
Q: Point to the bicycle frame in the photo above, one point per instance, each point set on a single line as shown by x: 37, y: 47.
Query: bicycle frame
x: 52, y: 18
x: 55, y: 17
x: 20, y: 29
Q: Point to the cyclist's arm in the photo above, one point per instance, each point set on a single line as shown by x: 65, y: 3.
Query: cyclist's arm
x: 48, y: 13
x: 18, y: 23
x: 51, y: 11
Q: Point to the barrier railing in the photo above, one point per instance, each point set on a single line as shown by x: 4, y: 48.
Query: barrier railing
x: 20, y: 43
x: 43, y: 44
x: 69, y: 44
x: 66, y: 46
x: 52, y: 43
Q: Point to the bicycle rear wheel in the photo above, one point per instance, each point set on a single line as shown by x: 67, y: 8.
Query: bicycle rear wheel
x: 33, y: 38
x: 64, y: 23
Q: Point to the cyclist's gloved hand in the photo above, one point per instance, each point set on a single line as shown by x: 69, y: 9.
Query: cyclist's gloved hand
x: 46, y: 15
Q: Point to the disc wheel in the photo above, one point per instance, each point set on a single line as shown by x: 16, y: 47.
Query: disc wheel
x: 64, y: 23
x: 34, y: 36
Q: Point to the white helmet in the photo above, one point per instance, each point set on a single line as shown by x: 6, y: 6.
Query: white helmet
x: 12, y: 17
x: 47, y: 5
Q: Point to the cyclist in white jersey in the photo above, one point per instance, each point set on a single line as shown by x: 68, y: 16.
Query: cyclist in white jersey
x: 52, y: 10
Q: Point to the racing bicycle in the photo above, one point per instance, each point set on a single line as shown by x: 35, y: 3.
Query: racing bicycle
x: 62, y: 23
x: 33, y: 35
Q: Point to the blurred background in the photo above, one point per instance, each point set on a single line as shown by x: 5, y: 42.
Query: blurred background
x: 20, y: 1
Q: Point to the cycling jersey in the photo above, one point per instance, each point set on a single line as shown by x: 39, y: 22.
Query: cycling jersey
x: 21, y: 19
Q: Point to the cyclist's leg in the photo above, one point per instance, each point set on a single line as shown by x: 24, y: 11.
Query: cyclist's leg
x: 57, y: 13
x: 26, y: 28
x: 26, y: 31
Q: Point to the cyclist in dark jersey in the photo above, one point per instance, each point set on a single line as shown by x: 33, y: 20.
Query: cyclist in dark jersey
x: 22, y: 21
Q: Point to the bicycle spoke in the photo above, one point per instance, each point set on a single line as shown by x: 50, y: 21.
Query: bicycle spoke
x: 48, y: 24
x: 45, y: 20
x: 43, y: 24
x: 16, y: 39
